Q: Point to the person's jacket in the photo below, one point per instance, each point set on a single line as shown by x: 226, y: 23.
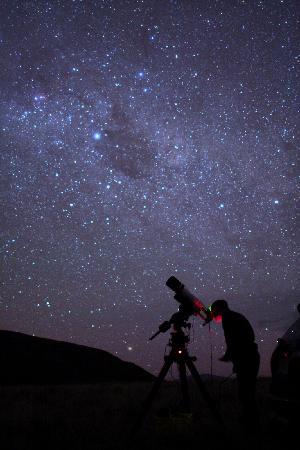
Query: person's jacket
x: 239, y: 336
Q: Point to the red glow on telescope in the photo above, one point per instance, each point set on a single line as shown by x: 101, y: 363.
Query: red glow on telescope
x: 199, y: 305
x: 201, y: 310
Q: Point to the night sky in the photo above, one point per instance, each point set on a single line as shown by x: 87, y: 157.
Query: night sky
x: 145, y: 139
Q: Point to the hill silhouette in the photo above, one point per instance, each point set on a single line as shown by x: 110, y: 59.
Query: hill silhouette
x: 39, y: 361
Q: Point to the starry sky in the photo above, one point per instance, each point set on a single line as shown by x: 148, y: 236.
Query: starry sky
x: 145, y: 139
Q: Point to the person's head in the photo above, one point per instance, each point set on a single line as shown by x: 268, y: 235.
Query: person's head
x: 219, y: 307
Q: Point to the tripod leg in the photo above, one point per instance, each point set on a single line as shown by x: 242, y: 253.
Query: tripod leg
x: 203, y: 390
x: 184, y: 386
x: 151, y: 396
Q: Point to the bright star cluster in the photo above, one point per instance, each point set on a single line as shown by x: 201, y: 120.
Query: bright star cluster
x: 143, y: 139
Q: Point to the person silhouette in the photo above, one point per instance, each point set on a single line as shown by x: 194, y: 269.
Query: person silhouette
x: 242, y: 351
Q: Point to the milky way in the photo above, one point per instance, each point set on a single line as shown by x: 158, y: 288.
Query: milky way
x: 140, y: 140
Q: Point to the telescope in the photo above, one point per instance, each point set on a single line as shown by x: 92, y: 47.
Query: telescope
x: 189, y: 305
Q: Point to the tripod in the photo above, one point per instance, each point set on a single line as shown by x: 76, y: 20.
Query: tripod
x: 181, y: 357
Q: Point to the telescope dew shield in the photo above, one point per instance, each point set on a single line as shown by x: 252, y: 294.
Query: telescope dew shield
x: 174, y: 284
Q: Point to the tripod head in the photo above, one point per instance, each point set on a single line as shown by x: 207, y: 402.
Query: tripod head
x: 179, y: 320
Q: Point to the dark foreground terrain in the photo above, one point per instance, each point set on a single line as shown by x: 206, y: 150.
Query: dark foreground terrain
x: 33, y: 360
x: 100, y: 416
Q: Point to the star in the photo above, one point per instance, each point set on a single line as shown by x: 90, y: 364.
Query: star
x: 164, y: 146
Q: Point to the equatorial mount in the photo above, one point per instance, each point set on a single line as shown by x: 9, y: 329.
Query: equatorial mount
x: 178, y: 320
